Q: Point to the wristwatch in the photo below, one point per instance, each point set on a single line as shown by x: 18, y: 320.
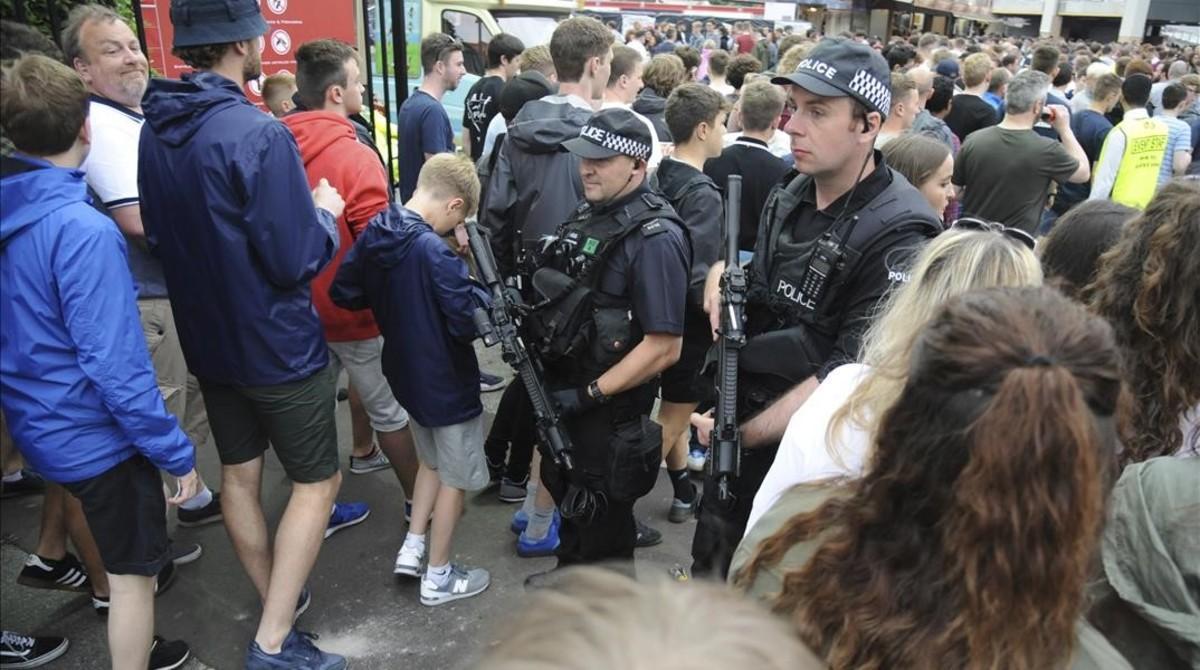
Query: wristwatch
x: 594, y: 392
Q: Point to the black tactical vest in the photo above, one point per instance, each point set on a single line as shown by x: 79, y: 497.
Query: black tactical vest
x: 578, y: 330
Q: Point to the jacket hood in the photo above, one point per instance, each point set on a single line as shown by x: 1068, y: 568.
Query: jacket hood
x: 543, y: 125
x: 649, y: 102
x: 177, y: 108
x: 29, y: 197
x: 390, y: 236
x: 317, y: 131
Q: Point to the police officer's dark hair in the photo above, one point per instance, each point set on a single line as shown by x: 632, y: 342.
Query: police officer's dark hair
x: 502, y: 45
x: 1173, y: 95
x: 690, y: 105
x: 436, y: 48
x: 319, y: 65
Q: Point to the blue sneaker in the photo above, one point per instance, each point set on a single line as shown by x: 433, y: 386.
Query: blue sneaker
x: 346, y: 515
x: 527, y: 548
x: 298, y: 653
x: 519, y: 521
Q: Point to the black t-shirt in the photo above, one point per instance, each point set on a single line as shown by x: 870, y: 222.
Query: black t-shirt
x: 482, y: 103
x: 651, y: 268
x: 969, y: 113
x: 761, y: 171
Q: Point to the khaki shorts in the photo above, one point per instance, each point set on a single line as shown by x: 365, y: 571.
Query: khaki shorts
x: 363, y: 362
x: 181, y: 391
x: 455, y: 452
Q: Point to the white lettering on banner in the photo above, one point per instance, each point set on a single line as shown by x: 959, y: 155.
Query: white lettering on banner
x: 818, y: 66
x: 795, y: 295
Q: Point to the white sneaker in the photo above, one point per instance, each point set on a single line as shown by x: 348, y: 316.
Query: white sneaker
x: 696, y: 459
x: 408, y: 561
x: 462, y: 583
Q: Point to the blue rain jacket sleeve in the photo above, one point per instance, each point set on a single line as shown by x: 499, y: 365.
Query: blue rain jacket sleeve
x: 347, y: 290
x: 100, y: 313
x: 457, y: 296
x: 292, y: 250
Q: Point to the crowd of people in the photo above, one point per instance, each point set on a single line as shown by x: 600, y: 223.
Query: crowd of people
x: 968, y: 396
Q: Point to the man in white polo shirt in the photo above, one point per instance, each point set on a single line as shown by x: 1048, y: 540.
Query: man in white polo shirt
x: 107, y: 55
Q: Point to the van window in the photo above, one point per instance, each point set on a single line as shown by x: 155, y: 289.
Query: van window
x: 474, y: 35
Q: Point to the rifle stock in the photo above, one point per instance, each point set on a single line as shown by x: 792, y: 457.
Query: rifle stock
x: 499, y: 325
x: 726, y: 439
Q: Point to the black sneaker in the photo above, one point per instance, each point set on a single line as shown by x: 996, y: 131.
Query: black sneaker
x: 65, y: 574
x: 210, y: 513
x: 184, y: 553
x: 30, y: 483
x: 23, y: 651
x: 166, y: 577
x: 168, y: 654
x: 646, y: 536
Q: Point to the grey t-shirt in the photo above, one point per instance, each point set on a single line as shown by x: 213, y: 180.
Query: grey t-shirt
x: 1006, y: 175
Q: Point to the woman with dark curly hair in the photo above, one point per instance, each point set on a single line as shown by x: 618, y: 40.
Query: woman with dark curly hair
x: 968, y: 542
x: 1148, y: 287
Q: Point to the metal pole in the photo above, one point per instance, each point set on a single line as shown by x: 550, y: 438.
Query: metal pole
x: 368, y: 63
x: 387, y: 97
x: 400, y: 53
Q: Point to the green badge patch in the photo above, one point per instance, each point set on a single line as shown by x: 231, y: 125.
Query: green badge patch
x: 590, y: 245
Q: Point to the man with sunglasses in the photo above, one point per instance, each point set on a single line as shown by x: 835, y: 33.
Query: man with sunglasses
x: 832, y: 240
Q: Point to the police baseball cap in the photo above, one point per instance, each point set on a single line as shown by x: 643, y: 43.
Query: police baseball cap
x: 200, y: 22
x: 612, y: 132
x: 840, y: 67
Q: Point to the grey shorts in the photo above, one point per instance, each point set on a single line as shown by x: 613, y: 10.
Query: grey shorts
x: 363, y: 362
x: 455, y: 452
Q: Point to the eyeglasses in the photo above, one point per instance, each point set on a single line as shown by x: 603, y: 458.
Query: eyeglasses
x: 971, y: 223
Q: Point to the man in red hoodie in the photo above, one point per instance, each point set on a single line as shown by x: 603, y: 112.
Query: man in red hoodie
x: 328, y: 81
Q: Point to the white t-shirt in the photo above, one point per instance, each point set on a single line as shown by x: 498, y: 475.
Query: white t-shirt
x: 111, y: 164
x: 803, y: 454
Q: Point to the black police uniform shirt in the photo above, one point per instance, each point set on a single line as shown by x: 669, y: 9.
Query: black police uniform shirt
x: 884, y: 266
x: 652, y: 269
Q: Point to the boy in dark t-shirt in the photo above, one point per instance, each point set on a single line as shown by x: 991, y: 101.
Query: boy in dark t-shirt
x: 483, y: 100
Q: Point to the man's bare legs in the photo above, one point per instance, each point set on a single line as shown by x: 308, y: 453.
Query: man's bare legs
x: 360, y: 425
x: 425, y: 497
x: 674, y: 418
x: 446, y: 512
x: 131, y: 621
x: 401, y: 452
x: 241, y: 485
x: 62, y: 517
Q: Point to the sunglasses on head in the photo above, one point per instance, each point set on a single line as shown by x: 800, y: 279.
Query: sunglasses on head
x: 971, y: 223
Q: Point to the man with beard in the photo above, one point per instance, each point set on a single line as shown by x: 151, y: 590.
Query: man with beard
x: 106, y: 54
x: 226, y: 205
x: 424, y: 125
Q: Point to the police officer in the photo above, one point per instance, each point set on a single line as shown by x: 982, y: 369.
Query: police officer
x: 831, y: 242
x: 611, y: 288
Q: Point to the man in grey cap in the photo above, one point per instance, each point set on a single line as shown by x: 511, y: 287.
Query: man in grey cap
x: 227, y: 207
x: 616, y: 271
x: 832, y: 241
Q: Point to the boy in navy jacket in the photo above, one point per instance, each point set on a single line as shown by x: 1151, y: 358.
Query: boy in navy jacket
x: 423, y: 300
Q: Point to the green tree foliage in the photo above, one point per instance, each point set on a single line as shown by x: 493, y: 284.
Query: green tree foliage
x: 49, y: 16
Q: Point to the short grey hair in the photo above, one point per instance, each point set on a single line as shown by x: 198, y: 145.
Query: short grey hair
x: 1177, y: 69
x: 1025, y: 90
x: 80, y: 16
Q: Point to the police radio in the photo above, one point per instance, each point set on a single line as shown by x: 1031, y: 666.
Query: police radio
x: 825, y: 260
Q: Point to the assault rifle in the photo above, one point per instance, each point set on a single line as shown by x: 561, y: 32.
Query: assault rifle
x: 726, y: 439
x: 499, y: 326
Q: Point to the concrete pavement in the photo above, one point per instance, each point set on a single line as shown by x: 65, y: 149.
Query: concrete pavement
x: 359, y: 608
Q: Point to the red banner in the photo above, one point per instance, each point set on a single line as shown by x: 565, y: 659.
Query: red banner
x: 290, y: 23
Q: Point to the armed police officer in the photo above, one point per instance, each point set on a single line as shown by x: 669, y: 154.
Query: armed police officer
x: 610, y: 288
x: 833, y: 239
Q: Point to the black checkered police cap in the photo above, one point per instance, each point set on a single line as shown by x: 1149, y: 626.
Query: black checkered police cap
x: 842, y: 67
x: 612, y: 132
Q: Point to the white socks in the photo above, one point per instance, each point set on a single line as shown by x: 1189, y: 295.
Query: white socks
x: 438, y: 574
x: 204, y: 497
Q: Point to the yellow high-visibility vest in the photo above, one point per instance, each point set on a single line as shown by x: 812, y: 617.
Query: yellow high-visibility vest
x: 1145, y: 150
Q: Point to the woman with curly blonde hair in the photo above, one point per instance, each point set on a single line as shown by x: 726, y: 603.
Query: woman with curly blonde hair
x: 830, y: 435
x: 968, y: 543
x: 1148, y: 287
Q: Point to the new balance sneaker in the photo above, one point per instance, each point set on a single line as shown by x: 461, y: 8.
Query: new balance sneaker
x: 372, y: 462
x: 65, y: 574
x: 30, y: 483
x: 345, y: 515
x: 512, y: 492
x: 696, y: 460
x: 519, y: 522
x: 302, y: 603
x: 462, y: 583
x: 489, y: 382
x: 646, y: 536
x: 298, y: 653
x: 210, y: 513
x: 529, y: 548
x: 182, y: 554
x: 168, y: 654
x: 23, y: 651
x: 408, y: 561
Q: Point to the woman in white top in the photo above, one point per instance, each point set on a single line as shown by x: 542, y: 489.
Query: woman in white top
x: 829, y: 437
